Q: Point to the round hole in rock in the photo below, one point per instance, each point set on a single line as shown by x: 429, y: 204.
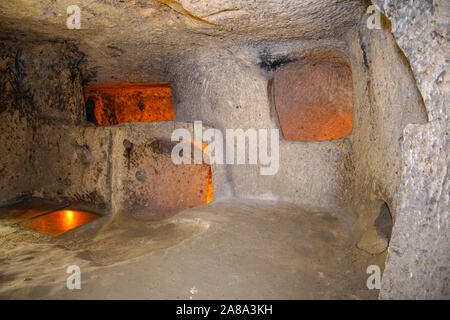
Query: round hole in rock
x: 314, y: 97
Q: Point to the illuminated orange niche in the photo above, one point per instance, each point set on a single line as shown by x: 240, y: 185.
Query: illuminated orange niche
x: 129, y: 102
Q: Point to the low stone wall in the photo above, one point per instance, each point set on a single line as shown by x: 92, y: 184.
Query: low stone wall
x: 119, y: 168
x: 49, y: 150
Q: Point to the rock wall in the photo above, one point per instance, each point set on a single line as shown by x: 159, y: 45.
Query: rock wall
x: 226, y: 88
x: 231, y: 89
x: 418, y: 260
x: 145, y: 181
x: 421, y: 30
x: 73, y: 163
x: 15, y: 162
x: 49, y: 149
x: 39, y: 82
x: 386, y: 99
x: 122, y: 168
x: 223, y: 77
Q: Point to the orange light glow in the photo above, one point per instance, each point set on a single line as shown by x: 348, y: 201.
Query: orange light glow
x: 209, y: 187
x: 130, y: 102
x: 59, y: 222
x: 209, y: 184
x: 17, y: 215
x: 314, y: 98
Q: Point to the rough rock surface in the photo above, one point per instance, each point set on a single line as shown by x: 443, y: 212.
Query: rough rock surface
x: 220, y: 57
x: 386, y: 99
x: 149, y: 36
x: 168, y: 188
x: 235, y: 93
x: 418, y: 264
x: 421, y: 29
x: 40, y: 83
x: 418, y: 260
x: 372, y: 242
x: 50, y: 150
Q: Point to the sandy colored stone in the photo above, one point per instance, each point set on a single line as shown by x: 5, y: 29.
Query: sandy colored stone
x: 151, y: 37
x: 418, y: 261
x: 372, y: 242
x: 220, y: 58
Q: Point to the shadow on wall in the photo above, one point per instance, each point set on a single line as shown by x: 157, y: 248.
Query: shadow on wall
x: 376, y: 238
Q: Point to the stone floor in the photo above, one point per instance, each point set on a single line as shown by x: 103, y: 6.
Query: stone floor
x: 225, y: 250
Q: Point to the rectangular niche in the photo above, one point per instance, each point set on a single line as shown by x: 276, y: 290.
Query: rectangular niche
x: 115, y: 104
x: 314, y: 97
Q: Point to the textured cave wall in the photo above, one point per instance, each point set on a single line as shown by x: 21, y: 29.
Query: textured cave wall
x: 15, y: 133
x: 147, y: 35
x: 77, y: 155
x: 73, y: 163
x: 421, y: 30
x: 113, y: 169
x: 46, y: 80
x: 386, y: 99
x: 40, y: 82
x: 46, y: 151
x: 229, y: 89
x: 397, y: 158
x: 15, y: 163
x: 49, y: 150
x: 418, y: 261
x: 144, y: 180
x: 225, y: 83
